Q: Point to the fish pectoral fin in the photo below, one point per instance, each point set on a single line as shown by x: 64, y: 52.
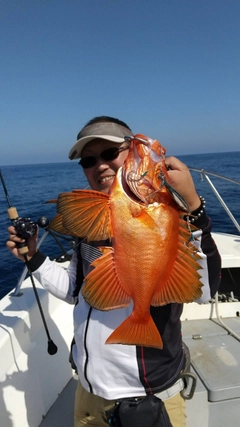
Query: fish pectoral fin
x: 136, y: 331
x: 57, y: 225
x: 103, y: 290
x: 182, y: 287
x: 184, y: 283
x: 86, y: 213
x: 51, y: 201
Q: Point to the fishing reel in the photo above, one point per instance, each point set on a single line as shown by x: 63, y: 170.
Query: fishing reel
x: 25, y: 227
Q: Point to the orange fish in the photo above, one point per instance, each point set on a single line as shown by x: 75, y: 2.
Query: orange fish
x: 152, y: 260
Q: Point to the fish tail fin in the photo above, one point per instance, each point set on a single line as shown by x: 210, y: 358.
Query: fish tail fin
x: 135, y: 331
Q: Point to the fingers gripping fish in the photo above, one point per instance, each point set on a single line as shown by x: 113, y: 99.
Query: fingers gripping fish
x: 153, y: 260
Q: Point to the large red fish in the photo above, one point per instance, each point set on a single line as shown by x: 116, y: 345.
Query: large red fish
x: 152, y: 260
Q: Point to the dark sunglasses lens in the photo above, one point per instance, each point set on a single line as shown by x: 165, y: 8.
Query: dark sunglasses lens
x: 88, y: 162
x: 110, y: 153
x: 107, y: 155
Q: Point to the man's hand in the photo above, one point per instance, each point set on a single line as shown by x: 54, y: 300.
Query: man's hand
x: 14, y: 239
x: 181, y: 180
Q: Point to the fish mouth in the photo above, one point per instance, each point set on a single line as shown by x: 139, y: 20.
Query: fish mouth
x: 131, y: 182
x: 134, y: 181
x: 143, y: 169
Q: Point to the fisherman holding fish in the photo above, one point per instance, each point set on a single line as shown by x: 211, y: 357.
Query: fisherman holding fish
x: 145, y: 248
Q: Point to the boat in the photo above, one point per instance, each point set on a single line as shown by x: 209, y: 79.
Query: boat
x: 37, y: 388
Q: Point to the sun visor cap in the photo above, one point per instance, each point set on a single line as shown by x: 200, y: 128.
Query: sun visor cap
x: 103, y: 130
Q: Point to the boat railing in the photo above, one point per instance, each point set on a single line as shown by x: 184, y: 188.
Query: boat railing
x: 205, y: 174
x: 215, y: 300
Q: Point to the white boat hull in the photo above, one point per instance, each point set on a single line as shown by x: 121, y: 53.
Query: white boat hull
x: 31, y: 380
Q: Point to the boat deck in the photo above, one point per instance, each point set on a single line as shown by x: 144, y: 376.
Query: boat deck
x: 61, y: 413
x: 216, y: 395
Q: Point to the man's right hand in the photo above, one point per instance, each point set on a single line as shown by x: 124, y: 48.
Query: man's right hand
x: 14, y: 239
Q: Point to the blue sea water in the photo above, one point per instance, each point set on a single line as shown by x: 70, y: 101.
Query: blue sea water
x: 30, y: 186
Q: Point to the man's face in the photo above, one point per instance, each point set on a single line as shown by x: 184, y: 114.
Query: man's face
x: 102, y: 174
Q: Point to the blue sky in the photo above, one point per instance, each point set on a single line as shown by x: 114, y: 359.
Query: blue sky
x: 169, y: 68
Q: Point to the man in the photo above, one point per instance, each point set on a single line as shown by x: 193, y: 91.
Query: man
x: 111, y: 372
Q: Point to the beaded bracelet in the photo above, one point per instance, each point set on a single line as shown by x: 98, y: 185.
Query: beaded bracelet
x: 199, y: 211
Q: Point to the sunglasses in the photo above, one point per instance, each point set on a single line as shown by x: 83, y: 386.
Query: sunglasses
x: 107, y: 155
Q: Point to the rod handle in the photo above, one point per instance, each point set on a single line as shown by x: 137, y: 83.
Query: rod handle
x: 13, y: 215
x: 22, y: 248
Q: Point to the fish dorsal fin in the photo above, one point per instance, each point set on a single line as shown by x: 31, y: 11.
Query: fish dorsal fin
x: 86, y: 213
x: 183, y: 284
x: 103, y: 290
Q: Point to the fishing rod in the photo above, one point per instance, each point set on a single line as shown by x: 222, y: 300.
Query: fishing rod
x: 26, y: 228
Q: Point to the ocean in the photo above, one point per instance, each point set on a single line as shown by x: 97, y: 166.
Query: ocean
x: 30, y: 186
